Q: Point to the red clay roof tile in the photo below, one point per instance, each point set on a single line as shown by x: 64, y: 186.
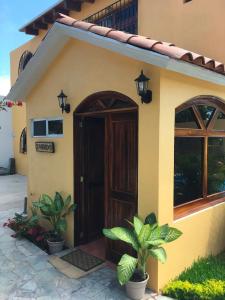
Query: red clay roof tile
x: 163, y: 48
x: 83, y: 25
x: 143, y: 42
x: 100, y: 30
x: 120, y: 36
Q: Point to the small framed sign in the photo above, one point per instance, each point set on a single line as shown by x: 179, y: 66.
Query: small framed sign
x: 48, y: 147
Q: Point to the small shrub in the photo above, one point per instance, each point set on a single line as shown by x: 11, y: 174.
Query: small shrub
x: 21, y: 225
x: 184, y: 290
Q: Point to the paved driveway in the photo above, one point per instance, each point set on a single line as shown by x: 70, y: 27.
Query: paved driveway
x: 24, y: 269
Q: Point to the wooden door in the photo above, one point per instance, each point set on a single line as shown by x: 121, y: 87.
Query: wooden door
x: 121, y: 195
x: 89, y: 179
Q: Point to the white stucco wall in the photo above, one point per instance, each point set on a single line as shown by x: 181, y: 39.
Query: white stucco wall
x: 6, y: 137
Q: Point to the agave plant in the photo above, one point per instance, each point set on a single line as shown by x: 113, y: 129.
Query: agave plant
x: 55, y: 211
x: 147, y: 239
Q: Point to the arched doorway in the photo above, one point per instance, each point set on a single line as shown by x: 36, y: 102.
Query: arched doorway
x: 105, y: 149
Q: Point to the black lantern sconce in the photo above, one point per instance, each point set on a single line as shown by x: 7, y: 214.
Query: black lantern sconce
x: 142, y: 88
x: 62, y: 98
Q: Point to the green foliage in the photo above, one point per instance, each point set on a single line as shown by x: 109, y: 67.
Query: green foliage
x: 211, y: 267
x: 204, y: 280
x: 184, y: 290
x: 21, y: 225
x: 55, y: 211
x: 146, y: 239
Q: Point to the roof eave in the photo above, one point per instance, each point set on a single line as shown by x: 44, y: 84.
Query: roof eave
x: 58, y: 36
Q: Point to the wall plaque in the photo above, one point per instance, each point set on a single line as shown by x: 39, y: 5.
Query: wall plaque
x: 45, y: 147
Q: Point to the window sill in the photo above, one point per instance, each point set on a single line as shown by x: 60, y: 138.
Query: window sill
x: 190, y: 208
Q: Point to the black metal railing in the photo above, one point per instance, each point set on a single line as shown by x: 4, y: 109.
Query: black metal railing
x: 121, y: 15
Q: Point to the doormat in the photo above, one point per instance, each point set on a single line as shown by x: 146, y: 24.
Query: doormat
x: 82, y: 260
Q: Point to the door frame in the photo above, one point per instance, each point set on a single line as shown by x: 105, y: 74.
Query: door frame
x: 79, y: 116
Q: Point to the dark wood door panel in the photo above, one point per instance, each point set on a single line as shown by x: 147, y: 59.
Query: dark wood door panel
x: 121, y: 211
x: 122, y: 186
x: 123, y: 153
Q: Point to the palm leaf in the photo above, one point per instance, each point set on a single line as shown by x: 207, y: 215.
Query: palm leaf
x: 155, y: 242
x: 108, y: 233
x: 172, y: 235
x: 126, y: 235
x: 138, y: 224
x: 159, y: 254
x: 144, y: 234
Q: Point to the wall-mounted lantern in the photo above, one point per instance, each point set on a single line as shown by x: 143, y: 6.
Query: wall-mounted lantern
x: 142, y: 88
x: 62, y: 98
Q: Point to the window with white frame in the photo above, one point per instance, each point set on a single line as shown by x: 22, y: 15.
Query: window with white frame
x: 47, y: 127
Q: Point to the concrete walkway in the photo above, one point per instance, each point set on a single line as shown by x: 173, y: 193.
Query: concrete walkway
x: 25, y: 272
x: 12, y: 191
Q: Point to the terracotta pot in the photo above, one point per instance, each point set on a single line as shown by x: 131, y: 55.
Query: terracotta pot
x: 54, y: 246
x: 136, y: 290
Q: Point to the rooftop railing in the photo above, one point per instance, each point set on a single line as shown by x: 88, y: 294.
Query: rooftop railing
x: 121, y: 15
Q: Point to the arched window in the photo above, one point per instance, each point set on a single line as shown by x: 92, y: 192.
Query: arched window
x: 199, y: 172
x: 23, y: 141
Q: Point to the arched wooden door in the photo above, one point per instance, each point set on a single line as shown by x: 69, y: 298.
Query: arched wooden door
x: 106, y: 145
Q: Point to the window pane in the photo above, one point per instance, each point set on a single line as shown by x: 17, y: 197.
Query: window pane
x: 206, y: 113
x: 216, y: 165
x: 220, y: 122
x: 188, y: 169
x: 186, y: 119
x: 39, y: 128
x: 55, y: 127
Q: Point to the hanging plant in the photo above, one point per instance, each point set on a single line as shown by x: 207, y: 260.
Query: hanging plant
x: 8, y: 104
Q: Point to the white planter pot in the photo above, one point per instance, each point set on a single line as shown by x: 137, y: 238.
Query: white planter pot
x: 55, y: 247
x: 136, y: 290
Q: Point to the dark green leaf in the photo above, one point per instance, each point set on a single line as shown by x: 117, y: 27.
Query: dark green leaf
x: 151, y: 219
x: 67, y: 201
x: 58, y: 201
x: 61, y: 226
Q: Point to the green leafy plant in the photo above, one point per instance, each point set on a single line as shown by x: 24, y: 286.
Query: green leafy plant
x: 147, y: 239
x: 55, y: 212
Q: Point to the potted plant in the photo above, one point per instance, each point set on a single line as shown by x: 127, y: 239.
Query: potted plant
x: 55, y: 212
x: 147, y: 239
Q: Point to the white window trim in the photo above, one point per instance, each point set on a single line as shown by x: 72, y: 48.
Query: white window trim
x: 47, y: 134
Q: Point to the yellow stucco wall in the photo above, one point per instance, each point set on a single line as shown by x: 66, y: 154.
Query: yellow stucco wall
x: 198, y: 25
x: 19, y: 113
x: 203, y: 232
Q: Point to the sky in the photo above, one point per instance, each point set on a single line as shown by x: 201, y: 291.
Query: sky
x: 13, y: 15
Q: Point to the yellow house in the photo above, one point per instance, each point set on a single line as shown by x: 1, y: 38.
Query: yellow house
x: 191, y: 24
x: 117, y: 150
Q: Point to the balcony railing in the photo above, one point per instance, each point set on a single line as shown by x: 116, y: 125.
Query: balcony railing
x: 121, y: 15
